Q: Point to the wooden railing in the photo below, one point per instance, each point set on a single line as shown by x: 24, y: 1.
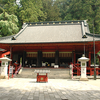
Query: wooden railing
x: 19, y: 67
x: 89, y: 71
x: 13, y: 71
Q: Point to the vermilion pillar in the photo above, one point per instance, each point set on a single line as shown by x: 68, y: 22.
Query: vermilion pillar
x: 10, y: 54
x: 0, y: 54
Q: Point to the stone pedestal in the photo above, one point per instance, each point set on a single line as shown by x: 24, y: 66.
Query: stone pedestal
x: 3, y: 72
x: 83, y: 72
x: 83, y: 61
x: 4, y: 67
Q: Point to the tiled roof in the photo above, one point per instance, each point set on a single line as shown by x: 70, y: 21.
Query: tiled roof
x: 52, y: 32
x: 6, y: 37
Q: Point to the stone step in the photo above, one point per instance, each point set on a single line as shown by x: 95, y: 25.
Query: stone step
x: 54, y: 73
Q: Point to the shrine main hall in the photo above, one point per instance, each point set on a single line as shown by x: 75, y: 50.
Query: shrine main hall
x: 45, y: 44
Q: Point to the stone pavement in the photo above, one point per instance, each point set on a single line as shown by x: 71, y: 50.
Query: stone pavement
x: 93, y: 82
x: 54, y: 89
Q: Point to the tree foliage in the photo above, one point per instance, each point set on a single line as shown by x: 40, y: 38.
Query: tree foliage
x: 8, y: 24
x: 31, y: 11
x: 63, y: 6
x: 51, y: 9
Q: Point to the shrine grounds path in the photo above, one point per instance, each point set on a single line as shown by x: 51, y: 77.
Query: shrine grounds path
x: 54, y: 89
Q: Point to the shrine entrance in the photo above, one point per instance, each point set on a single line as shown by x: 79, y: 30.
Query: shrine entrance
x: 65, y: 58
x: 47, y: 59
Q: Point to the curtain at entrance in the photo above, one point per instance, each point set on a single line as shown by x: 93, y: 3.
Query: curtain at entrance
x: 65, y: 54
x: 31, y: 54
x: 48, y: 54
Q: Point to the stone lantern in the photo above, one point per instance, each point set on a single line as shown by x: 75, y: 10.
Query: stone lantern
x: 83, y: 61
x: 4, y: 67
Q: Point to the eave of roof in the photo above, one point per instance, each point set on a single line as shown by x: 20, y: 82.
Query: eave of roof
x: 6, y: 37
x: 84, y: 36
x: 93, y: 35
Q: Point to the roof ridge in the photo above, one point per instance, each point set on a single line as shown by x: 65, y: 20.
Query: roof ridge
x: 83, y: 31
x: 91, y: 34
x: 60, y: 21
x: 23, y: 28
x: 57, y: 22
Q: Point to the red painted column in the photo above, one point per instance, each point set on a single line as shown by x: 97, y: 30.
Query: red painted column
x: 0, y: 54
x: 10, y: 54
x: 16, y: 66
x: 8, y: 71
x: 90, y: 59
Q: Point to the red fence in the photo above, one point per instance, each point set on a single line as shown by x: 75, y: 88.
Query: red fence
x: 90, y: 71
x: 13, y: 70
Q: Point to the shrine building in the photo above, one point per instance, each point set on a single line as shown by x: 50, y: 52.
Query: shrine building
x: 45, y: 44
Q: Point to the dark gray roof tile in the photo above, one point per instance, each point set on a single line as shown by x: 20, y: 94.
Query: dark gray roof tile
x: 47, y: 33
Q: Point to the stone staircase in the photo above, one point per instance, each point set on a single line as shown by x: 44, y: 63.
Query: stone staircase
x: 55, y: 73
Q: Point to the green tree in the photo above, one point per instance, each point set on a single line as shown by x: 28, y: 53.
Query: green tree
x: 1, y: 10
x: 31, y: 11
x: 63, y: 6
x: 8, y: 24
x: 51, y: 9
x: 9, y: 6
